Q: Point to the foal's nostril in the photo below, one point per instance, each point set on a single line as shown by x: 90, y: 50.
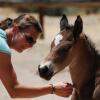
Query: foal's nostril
x: 43, y: 70
x: 46, y: 69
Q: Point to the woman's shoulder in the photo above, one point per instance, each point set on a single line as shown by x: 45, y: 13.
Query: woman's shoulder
x: 4, y: 48
x: 2, y: 33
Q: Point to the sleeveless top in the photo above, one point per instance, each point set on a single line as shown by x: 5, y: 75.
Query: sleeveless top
x: 4, y: 48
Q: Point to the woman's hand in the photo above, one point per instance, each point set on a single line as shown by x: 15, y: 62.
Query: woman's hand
x: 63, y: 89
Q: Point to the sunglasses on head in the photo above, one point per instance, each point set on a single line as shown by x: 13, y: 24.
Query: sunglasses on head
x: 29, y: 39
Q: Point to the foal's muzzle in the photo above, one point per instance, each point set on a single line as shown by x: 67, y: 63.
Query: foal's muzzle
x: 45, y: 72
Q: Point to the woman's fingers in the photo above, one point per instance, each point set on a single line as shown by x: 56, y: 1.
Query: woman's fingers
x: 63, y: 89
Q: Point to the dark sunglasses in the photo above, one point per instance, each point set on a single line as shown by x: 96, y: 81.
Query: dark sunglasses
x: 29, y: 39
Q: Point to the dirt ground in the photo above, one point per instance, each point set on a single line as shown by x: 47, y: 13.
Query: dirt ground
x: 26, y: 63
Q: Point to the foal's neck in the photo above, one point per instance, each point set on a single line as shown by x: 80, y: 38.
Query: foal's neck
x: 83, y: 49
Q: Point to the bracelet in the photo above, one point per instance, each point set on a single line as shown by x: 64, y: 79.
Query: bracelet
x: 53, y: 89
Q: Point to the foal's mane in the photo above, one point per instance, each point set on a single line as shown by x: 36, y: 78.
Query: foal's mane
x: 88, y: 41
x: 91, y: 46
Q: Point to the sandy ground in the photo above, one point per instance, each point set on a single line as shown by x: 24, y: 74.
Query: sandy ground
x: 26, y: 63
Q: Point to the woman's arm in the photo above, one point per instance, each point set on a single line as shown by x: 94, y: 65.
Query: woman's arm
x: 16, y: 90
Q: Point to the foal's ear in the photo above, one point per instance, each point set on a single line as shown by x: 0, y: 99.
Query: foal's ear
x: 78, y: 27
x: 63, y: 22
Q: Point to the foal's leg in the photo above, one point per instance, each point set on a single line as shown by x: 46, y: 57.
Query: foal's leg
x: 74, y: 95
x: 96, y: 94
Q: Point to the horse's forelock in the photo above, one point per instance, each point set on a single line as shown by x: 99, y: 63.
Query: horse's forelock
x: 69, y: 27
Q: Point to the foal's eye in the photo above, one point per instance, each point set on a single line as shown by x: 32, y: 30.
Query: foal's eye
x: 63, y: 51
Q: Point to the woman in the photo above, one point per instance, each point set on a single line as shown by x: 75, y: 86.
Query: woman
x: 20, y: 34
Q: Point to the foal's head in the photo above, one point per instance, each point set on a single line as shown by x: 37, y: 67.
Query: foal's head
x: 60, y: 54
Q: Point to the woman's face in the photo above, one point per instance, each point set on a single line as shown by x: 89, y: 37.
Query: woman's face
x: 25, y: 39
